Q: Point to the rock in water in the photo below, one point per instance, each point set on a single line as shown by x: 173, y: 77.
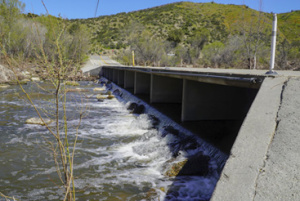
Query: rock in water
x: 170, y: 130
x: 38, y: 121
x: 175, y: 168
x: 196, y: 165
x: 110, y: 96
x: 101, y: 97
x: 71, y: 83
x: 3, y: 86
x: 132, y: 106
x: 99, y: 89
x: 117, y: 92
x: 136, y: 109
x: 35, y: 79
x: 155, y: 121
x: 77, y: 90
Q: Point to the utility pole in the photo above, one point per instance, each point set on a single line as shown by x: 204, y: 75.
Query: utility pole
x: 273, y: 46
x: 133, y: 58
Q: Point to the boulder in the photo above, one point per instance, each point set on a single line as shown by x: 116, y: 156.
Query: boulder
x: 175, y: 168
x: 25, y: 80
x: 101, y: 97
x: 197, y: 165
x: 110, y: 96
x: 35, y: 79
x: 99, y: 89
x: 132, y: 106
x: 136, y: 109
x: 72, y: 83
x: 77, y: 90
x: 170, y: 130
x: 38, y: 121
x: 15, y: 82
x: 154, y: 120
x: 6, y: 74
x: 117, y: 92
x: 3, y: 86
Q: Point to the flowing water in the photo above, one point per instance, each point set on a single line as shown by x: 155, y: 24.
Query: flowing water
x: 119, y: 155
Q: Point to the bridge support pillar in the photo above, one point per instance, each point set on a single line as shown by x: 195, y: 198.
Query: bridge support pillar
x: 129, y: 79
x: 202, y: 101
x: 121, y: 78
x: 165, y: 89
x: 115, y: 75
x: 142, y: 83
x: 110, y: 74
x: 102, y: 72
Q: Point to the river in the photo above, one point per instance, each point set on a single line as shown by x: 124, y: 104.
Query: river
x: 119, y: 155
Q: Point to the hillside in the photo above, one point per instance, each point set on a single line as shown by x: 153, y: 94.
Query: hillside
x: 189, y: 17
x: 289, y: 25
x: 181, y: 23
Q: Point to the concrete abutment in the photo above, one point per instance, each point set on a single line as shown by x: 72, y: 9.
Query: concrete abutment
x: 129, y: 77
x: 121, y: 78
x: 142, y: 83
x: 165, y: 89
x: 203, y: 101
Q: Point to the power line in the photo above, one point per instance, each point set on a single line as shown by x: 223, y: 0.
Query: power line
x: 96, y: 8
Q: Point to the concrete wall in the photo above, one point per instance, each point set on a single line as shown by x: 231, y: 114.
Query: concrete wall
x: 249, y: 153
x: 121, y: 78
x: 95, y: 72
x: 202, y: 101
x: 165, y: 89
x: 115, y: 76
x: 110, y: 74
x: 129, y: 77
x: 142, y: 83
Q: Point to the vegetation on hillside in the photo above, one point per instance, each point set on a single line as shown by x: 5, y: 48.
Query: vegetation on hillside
x: 178, y: 34
x: 31, y: 38
x: 198, y: 34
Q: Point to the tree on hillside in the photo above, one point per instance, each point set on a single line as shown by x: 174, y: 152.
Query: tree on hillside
x: 148, y: 49
x: 288, y: 55
x: 175, y: 36
x: 212, y: 54
x: 253, y: 32
x: 11, y: 30
x: 197, y: 41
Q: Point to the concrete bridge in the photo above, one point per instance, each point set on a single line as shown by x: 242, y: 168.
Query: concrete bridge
x: 252, y: 116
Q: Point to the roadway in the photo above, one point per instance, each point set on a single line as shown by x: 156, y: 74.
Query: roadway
x: 95, y: 61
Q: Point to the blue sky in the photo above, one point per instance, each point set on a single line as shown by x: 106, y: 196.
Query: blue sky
x: 86, y: 8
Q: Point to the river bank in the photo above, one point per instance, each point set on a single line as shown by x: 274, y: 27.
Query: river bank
x: 33, y: 73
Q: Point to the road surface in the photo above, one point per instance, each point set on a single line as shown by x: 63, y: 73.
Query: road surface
x: 96, y: 61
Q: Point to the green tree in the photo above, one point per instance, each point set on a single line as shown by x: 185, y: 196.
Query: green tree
x: 175, y: 36
x: 254, y: 30
x: 212, y: 53
x: 11, y: 30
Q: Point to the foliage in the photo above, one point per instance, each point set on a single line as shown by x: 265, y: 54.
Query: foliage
x: 212, y: 53
x: 28, y: 36
x: 191, y: 26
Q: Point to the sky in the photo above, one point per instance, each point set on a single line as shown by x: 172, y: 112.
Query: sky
x: 72, y: 9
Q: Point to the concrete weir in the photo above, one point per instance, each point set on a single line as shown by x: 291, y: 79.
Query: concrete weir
x: 237, y: 111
